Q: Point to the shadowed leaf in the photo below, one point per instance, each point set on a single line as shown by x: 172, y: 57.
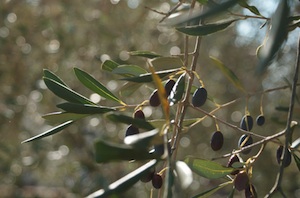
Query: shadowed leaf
x: 145, y: 78
x: 252, y: 9
x: 167, y: 63
x: 144, y: 139
x: 197, y: 15
x: 84, y: 108
x: 129, y: 88
x: 129, y: 70
x: 209, y: 192
x: 107, y: 152
x: 129, y: 120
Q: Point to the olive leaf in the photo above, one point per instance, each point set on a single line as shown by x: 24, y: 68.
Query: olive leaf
x: 228, y: 73
x: 125, y: 182
x: 65, y: 92
x: 207, y: 169
x: 94, y: 85
x: 276, y: 36
x: 50, y: 131
x: 209, y: 192
x: 84, y: 108
x: 202, y: 30
x: 146, y: 54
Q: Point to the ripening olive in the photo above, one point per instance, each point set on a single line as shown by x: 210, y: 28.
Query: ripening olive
x: 131, y: 130
x: 148, y: 176
x: 217, y: 140
x: 245, y: 140
x: 232, y: 160
x: 139, y: 114
x: 154, y: 99
x: 199, y: 97
x: 159, y: 149
x: 169, y: 86
x: 246, y: 123
x: 288, y: 159
x: 241, y: 181
x: 157, y: 181
x: 250, y: 191
x: 260, y: 120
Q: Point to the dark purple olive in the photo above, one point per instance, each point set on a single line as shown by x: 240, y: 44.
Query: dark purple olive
x: 260, y: 120
x: 245, y: 140
x: 139, y: 114
x: 232, y: 160
x: 241, y: 181
x: 154, y: 99
x: 169, y: 86
x: 157, y: 181
x: 147, y: 176
x: 131, y: 130
x: 288, y: 159
x: 216, y: 141
x: 199, y: 97
x: 246, y: 123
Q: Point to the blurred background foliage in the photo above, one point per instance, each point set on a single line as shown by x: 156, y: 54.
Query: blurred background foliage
x: 60, y: 34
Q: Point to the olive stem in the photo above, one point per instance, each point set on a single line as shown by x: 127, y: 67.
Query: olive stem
x: 287, y: 131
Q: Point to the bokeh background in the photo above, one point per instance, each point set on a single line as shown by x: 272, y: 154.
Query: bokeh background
x: 59, y: 35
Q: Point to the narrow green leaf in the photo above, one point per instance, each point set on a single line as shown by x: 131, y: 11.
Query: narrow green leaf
x: 207, y: 169
x: 297, y: 160
x: 94, y: 85
x: 146, y: 54
x: 209, y: 192
x: 65, y: 92
x: 275, y: 37
x: 129, y: 120
x: 214, y: 10
x: 228, y: 73
x: 145, y: 78
x: 50, y: 131
x: 59, y: 117
x: 295, y: 144
x: 129, y: 88
x: 54, y: 77
x: 166, y: 63
x: 252, y: 9
x: 109, y: 65
x: 107, y: 152
x: 129, y: 70
x: 177, y: 91
x: 202, y: 30
x: 231, y: 193
x: 84, y: 108
x: 125, y: 182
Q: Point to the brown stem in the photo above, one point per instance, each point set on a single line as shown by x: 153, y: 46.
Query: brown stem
x: 287, y: 131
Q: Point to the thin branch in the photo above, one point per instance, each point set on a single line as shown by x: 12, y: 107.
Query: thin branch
x: 288, y: 131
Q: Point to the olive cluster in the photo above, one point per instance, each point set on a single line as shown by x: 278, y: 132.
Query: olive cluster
x: 241, y: 180
x: 247, y: 124
x: 131, y: 129
x: 156, y: 178
x: 154, y: 100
